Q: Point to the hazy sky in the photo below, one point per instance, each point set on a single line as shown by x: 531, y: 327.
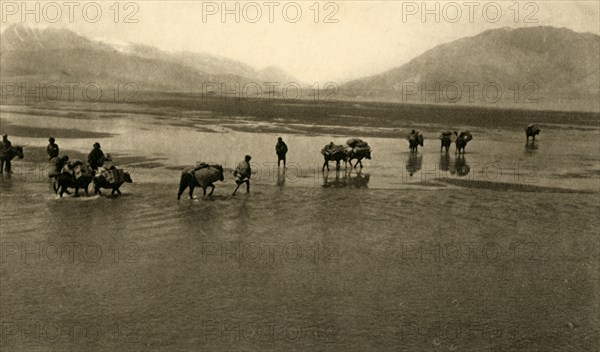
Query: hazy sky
x: 363, y: 38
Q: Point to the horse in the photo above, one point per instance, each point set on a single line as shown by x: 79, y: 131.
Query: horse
x: 203, y: 177
x: 359, y: 154
x: 446, y: 140
x: 462, y: 140
x: 9, y: 154
x: 414, y: 140
x: 531, y: 131
x: 335, y: 153
x: 68, y: 179
x: 100, y: 181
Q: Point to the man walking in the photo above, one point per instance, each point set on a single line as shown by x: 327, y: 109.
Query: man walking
x: 281, y: 150
x: 242, y: 174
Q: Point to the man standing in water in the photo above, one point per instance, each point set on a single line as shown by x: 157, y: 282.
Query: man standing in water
x: 242, y: 174
x: 5, y: 145
x: 96, y: 157
x: 281, y: 149
x: 52, y: 149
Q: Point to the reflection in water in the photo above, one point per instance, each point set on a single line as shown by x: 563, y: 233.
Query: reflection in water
x: 530, y: 147
x: 345, y: 179
x: 359, y: 181
x: 460, y: 168
x: 6, y: 181
x: 281, y: 177
x: 445, y: 162
x: 336, y: 183
x: 414, y: 163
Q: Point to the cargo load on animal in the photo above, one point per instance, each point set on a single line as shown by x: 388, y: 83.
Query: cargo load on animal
x: 111, y: 178
x: 358, y: 149
x: 334, y: 152
x: 201, y: 175
x: 415, y: 139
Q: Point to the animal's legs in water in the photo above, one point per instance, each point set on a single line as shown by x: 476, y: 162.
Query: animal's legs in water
x: 182, y: 187
x: 56, y: 186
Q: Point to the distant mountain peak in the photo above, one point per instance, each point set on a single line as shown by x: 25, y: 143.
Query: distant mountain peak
x: 118, y: 45
x: 50, y: 53
x: 554, y: 61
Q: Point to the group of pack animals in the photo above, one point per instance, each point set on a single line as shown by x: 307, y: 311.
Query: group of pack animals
x: 355, y: 149
x: 352, y: 150
x: 79, y: 175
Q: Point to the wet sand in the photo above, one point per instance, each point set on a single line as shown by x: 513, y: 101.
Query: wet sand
x: 503, y: 257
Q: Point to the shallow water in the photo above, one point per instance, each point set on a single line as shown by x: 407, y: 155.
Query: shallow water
x: 379, y: 260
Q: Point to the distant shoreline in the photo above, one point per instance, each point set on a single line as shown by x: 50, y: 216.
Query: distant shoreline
x: 323, y: 113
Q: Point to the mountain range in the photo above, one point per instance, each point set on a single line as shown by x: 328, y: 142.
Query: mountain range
x: 547, y: 65
x: 30, y: 54
x: 551, y: 67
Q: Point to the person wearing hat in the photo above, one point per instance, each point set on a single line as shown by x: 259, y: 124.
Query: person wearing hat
x: 52, y: 149
x: 96, y: 157
x: 242, y: 174
x: 5, y: 145
x: 281, y: 149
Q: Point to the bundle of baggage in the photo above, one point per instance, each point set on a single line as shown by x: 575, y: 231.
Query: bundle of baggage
x: 466, y: 135
x: 56, y: 165
x: 112, y: 175
x: 357, y: 145
x: 203, y: 169
x: 77, y: 169
x: 416, y: 135
x: 333, y: 149
x: 446, y: 134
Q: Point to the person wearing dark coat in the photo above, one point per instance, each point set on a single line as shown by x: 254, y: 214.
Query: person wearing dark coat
x: 52, y: 149
x: 5, y: 145
x: 96, y: 157
x: 281, y: 150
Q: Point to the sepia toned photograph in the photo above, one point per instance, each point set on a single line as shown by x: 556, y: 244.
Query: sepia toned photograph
x: 308, y: 175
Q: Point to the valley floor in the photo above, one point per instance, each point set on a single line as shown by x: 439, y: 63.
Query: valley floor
x: 493, y: 251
